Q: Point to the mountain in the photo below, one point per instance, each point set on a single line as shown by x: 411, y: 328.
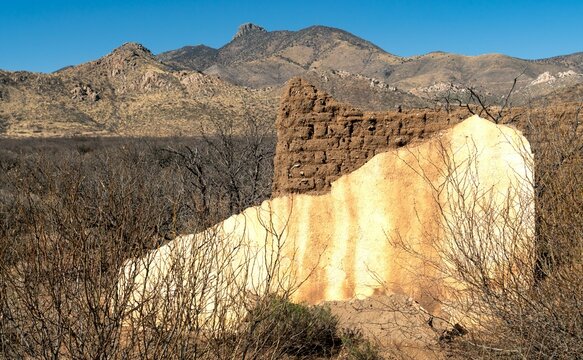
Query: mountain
x: 127, y: 92
x: 195, y: 58
x: 190, y: 90
x: 259, y: 58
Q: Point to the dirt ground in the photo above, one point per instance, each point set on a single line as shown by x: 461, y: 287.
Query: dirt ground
x: 397, y: 325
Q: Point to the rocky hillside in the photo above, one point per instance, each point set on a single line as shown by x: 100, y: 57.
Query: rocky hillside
x: 258, y: 58
x: 569, y: 94
x: 127, y: 92
x: 492, y: 75
x: 364, y: 92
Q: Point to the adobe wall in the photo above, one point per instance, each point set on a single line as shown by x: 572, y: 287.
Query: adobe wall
x: 320, y: 139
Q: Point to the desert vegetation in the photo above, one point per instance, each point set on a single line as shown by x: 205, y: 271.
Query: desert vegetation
x: 534, y: 310
x: 74, y: 211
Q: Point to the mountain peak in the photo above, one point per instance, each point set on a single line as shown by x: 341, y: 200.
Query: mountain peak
x: 132, y: 49
x: 248, y: 28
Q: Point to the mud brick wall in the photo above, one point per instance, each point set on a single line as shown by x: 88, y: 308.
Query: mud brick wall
x: 320, y: 139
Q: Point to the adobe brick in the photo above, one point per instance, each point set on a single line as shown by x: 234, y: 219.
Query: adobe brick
x: 320, y: 144
x: 320, y: 157
x: 320, y: 130
x: 305, y: 132
x: 304, y: 157
x: 303, y: 171
x: 299, y: 184
x: 376, y: 140
x: 335, y: 155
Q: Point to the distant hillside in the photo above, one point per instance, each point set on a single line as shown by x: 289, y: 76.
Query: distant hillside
x: 128, y: 92
x: 258, y: 58
x: 196, y: 58
x: 492, y: 75
x: 571, y: 94
x: 571, y: 61
x: 364, y: 92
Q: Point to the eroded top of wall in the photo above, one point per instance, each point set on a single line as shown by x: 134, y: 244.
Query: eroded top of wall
x: 321, y: 139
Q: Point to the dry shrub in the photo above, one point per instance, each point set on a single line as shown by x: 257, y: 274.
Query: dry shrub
x: 533, y: 308
x: 72, y: 213
x: 72, y: 224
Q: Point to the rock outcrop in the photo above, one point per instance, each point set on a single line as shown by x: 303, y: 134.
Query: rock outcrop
x: 83, y: 92
x: 247, y: 28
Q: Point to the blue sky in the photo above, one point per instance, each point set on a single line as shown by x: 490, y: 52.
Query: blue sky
x: 47, y: 35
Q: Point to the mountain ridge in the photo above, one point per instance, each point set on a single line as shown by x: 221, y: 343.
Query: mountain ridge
x: 268, y: 58
x: 252, y: 59
x: 131, y: 91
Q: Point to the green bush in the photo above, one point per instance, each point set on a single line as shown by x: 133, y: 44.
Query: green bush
x: 357, y: 347
x: 294, y: 329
